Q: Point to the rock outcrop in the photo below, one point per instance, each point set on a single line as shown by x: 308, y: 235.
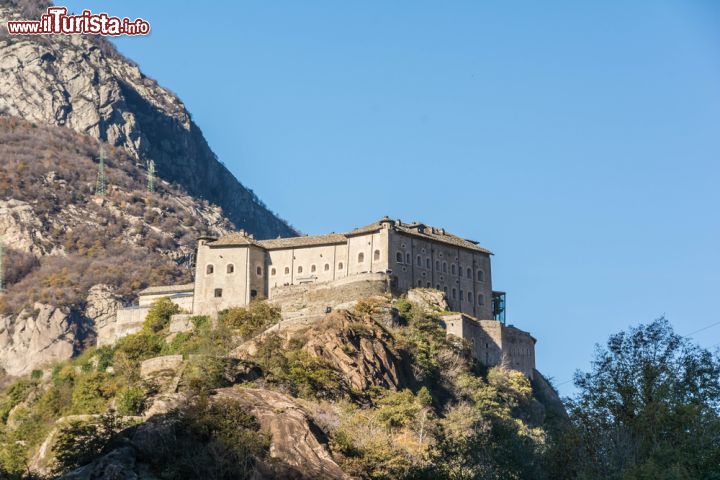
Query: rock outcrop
x: 360, y: 349
x: 295, y: 441
x: 37, y: 337
x: 84, y: 84
x: 431, y: 301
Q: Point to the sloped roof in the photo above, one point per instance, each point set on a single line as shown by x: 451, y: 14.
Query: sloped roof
x: 234, y: 239
x: 422, y: 230
x: 296, y: 242
x: 169, y: 289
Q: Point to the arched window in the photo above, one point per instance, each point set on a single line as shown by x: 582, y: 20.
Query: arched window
x: 427, y: 284
x: 437, y: 265
x: 398, y: 257
x: 444, y: 267
x: 230, y: 268
x: 454, y: 294
x: 481, y: 276
x: 418, y: 261
x: 437, y: 287
x: 210, y: 269
x: 258, y: 270
x: 407, y: 258
x: 452, y: 269
x: 299, y: 268
x: 361, y: 257
x: 469, y: 273
x: 469, y: 296
x: 312, y: 268
x: 376, y: 255
x: 462, y: 295
x: 427, y: 263
x: 419, y: 283
x: 287, y: 270
x: 340, y: 266
x: 327, y: 267
x: 445, y: 289
x: 481, y: 299
x: 273, y: 271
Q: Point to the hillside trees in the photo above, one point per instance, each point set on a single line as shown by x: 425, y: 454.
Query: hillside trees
x: 648, y: 409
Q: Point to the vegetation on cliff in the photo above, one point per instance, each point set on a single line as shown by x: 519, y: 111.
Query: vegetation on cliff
x: 648, y: 409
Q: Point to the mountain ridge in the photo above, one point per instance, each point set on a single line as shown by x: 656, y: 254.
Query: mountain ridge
x: 84, y: 84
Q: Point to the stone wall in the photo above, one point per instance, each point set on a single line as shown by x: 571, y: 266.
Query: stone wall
x: 493, y: 343
x: 463, y: 275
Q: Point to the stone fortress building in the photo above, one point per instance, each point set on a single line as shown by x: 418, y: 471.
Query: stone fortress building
x: 387, y: 255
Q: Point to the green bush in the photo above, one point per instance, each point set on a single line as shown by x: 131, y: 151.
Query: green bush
x: 92, y: 393
x: 251, y: 320
x: 131, y: 401
x: 158, y: 317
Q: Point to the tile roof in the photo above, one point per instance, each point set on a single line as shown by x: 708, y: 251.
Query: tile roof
x: 294, y: 242
x: 416, y: 229
x: 422, y: 230
x: 188, y: 287
x: 234, y: 239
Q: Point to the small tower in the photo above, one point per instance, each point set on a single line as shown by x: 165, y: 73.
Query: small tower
x: 100, y: 184
x: 151, y: 177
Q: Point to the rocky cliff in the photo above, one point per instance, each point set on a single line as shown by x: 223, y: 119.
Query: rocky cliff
x: 84, y: 84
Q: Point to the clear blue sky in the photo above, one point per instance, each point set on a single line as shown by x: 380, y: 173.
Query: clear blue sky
x: 579, y: 141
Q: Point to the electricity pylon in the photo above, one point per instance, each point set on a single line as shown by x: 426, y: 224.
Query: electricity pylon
x: 100, y: 186
x: 151, y: 177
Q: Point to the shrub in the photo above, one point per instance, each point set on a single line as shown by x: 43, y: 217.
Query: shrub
x: 158, y: 317
x: 251, y: 320
x: 131, y: 401
x: 92, y: 393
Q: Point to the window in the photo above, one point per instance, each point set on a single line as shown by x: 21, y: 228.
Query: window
x: 258, y: 270
x: 340, y: 266
x: 419, y: 283
x: 444, y: 267
x: 437, y: 265
x: 481, y: 299
x: 445, y: 289
x: 454, y: 294
x: 407, y: 258
x: 462, y: 295
x: 210, y: 269
x: 230, y: 268
x: 218, y: 292
x: 253, y: 293
x: 481, y: 276
x: 437, y: 287
x: 327, y: 267
x: 361, y: 257
x: 287, y: 270
x: 469, y: 296
x: 398, y: 257
x: 299, y: 268
x: 427, y: 284
x: 469, y: 273
x: 312, y: 268
x: 419, y: 261
x: 427, y: 263
x: 452, y: 269
x: 273, y: 272
x: 460, y: 272
x: 376, y: 255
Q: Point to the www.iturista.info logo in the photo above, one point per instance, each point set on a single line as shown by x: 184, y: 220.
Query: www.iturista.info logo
x: 57, y: 21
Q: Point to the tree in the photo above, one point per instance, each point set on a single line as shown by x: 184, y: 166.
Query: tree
x: 649, y: 408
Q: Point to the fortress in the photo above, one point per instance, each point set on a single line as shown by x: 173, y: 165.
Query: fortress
x: 310, y: 275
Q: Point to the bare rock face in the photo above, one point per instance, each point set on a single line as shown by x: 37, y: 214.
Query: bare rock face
x: 102, y: 306
x: 84, y: 84
x: 359, y: 348
x: 428, y: 299
x: 36, y: 337
x: 296, y: 442
x: 21, y: 228
x: 119, y: 464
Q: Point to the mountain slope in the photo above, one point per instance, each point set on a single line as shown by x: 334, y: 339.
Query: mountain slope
x: 83, y: 83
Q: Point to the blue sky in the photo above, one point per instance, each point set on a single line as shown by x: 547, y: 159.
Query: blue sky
x: 579, y: 141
